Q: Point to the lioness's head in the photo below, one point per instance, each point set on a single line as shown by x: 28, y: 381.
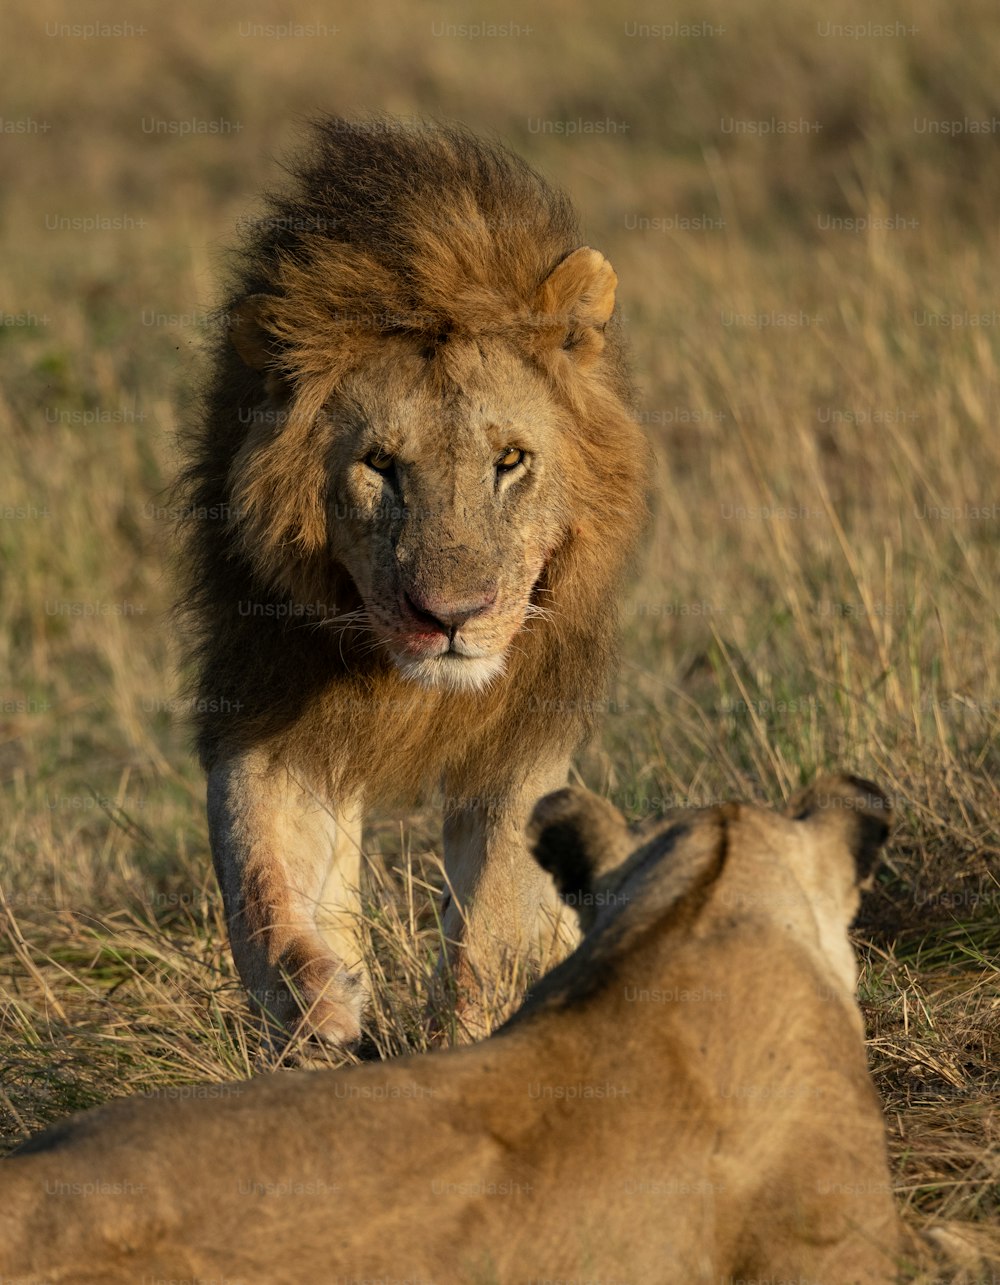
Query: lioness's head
x: 732, y: 868
x: 434, y: 408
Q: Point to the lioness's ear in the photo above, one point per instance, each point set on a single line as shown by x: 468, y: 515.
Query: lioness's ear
x: 578, y: 296
x: 577, y: 837
x: 850, y: 809
x: 248, y: 330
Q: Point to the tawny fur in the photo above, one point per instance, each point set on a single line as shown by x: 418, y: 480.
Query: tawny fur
x: 684, y: 1100
x: 420, y: 297
x: 429, y: 238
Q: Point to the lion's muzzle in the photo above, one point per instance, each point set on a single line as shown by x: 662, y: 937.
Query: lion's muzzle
x: 451, y: 641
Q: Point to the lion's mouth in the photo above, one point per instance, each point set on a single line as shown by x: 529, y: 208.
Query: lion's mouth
x: 447, y: 645
x: 467, y: 628
x: 418, y: 644
x: 453, y: 659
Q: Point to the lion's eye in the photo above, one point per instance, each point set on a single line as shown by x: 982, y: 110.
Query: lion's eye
x: 509, y: 458
x: 379, y: 460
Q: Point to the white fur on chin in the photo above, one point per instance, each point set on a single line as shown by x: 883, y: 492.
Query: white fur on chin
x: 458, y: 673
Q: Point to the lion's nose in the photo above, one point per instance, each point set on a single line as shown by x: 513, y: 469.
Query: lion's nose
x: 446, y: 614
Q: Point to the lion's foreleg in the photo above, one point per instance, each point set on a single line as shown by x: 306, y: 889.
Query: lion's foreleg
x: 500, y: 907
x: 289, y: 866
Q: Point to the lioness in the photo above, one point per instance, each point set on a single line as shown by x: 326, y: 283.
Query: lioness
x: 407, y: 508
x: 684, y: 1099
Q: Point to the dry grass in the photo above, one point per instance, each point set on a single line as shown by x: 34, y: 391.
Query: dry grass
x: 822, y: 585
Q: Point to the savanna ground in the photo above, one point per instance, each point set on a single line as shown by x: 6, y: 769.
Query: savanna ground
x: 801, y: 207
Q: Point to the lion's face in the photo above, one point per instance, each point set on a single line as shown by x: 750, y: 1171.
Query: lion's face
x: 445, y: 502
x: 441, y: 468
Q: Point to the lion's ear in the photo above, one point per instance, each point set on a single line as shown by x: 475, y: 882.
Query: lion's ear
x: 848, y: 809
x: 248, y: 331
x: 578, y: 296
x: 577, y: 837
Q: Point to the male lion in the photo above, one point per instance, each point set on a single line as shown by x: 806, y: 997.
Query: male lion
x: 685, y: 1099
x: 408, y: 506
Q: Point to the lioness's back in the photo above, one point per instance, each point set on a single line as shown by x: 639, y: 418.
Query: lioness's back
x: 685, y: 1099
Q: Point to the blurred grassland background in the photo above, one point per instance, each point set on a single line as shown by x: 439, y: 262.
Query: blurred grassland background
x: 802, y: 208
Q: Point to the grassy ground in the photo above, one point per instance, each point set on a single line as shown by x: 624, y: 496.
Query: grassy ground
x: 802, y: 212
